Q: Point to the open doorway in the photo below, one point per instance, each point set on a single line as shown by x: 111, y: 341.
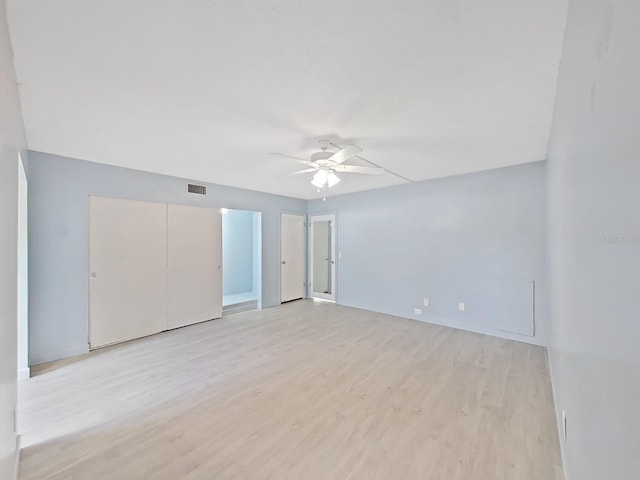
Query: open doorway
x: 241, y: 260
x: 322, y: 264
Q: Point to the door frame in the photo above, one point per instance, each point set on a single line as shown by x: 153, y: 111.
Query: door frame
x: 24, y: 370
x: 305, y: 267
x: 332, y: 217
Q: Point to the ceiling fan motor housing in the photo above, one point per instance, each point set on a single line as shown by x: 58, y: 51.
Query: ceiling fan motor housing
x: 321, y: 158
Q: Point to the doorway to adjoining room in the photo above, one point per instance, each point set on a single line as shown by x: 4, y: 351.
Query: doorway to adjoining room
x: 241, y: 260
x: 322, y: 264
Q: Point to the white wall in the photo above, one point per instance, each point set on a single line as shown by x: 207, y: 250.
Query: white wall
x: 594, y: 211
x: 12, y: 141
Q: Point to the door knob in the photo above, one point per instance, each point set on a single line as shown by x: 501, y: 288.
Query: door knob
x: 94, y: 274
x: 284, y: 261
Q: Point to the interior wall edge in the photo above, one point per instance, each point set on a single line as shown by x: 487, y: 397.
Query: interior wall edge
x: 12, y: 143
x: 594, y: 240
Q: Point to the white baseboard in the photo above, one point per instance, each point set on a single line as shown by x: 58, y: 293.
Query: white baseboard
x: 460, y: 326
x: 483, y: 331
x: 46, y: 357
x: 558, y: 414
x: 24, y: 373
x: 264, y: 306
x: 16, y: 469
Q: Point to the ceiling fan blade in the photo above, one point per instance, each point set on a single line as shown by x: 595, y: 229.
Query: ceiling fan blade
x: 304, y: 162
x: 358, y: 169
x: 345, y: 154
x: 306, y: 170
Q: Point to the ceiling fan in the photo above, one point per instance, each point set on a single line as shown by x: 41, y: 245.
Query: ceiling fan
x: 326, y: 164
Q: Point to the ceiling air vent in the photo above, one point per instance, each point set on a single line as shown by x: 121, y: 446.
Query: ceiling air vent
x: 199, y: 189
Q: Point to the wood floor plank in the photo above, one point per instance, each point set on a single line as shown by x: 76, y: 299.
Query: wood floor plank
x: 306, y: 390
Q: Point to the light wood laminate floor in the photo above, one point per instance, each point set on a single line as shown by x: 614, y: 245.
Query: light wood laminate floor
x: 308, y: 391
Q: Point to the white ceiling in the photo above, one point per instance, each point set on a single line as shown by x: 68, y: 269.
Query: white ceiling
x: 205, y: 89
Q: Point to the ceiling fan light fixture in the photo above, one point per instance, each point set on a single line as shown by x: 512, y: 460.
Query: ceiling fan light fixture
x: 332, y: 179
x: 326, y: 163
x: 319, y: 179
x: 324, y: 178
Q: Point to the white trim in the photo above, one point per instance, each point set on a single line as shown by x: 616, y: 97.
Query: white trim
x: 23, y: 273
x: 52, y: 356
x: 264, y: 306
x: 16, y: 468
x: 558, y: 414
x: 457, y: 325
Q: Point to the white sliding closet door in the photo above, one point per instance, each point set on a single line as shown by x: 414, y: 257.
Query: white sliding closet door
x: 195, y: 259
x: 127, y: 270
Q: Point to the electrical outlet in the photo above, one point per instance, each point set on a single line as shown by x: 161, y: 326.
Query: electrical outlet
x: 461, y: 306
x: 425, y: 302
x: 564, y: 424
x: 417, y: 311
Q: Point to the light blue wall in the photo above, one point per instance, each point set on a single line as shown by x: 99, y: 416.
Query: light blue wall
x: 58, y: 224
x: 454, y: 239
x: 451, y: 240
x: 458, y: 239
x: 257, y: 256
x: 594, y: 200
x: 237, y: 252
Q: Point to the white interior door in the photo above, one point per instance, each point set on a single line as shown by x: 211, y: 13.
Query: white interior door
x: 127, y: 270
x: 195, y: 264
x: 292, y: 257
x: 322, y: 256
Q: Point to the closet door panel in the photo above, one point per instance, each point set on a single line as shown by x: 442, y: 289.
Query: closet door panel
x: 194, y: 260
x: 127, y: 270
